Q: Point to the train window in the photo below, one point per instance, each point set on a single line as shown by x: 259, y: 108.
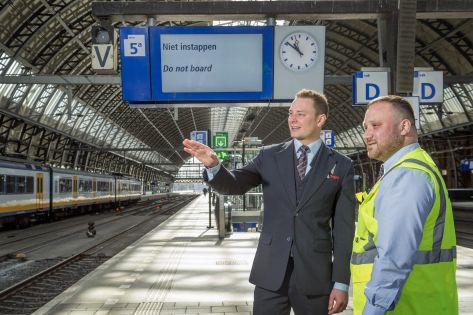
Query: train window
x: 85, y: 185
x: 11, y: 184
x: 65, y: 185
x: 103, y: 186
x: 2, y: 184
x: 20, y: 185
x: 29, y: 184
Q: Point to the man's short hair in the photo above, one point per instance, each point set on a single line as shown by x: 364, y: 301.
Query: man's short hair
x: 399, y: 103
x: 320, y: 101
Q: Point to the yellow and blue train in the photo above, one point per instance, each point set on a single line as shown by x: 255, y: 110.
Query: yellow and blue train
x: 32, y: 192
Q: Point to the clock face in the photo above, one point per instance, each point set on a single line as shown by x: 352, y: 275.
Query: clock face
x: 299, y: 51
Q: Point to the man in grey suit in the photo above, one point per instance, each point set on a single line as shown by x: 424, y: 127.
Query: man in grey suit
x: 303, y: 255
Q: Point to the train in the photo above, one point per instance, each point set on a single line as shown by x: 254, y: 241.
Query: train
x: 31, y: 192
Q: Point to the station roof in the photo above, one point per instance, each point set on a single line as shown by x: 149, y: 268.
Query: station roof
x: 46, y: 78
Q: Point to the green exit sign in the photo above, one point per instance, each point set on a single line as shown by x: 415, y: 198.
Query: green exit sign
x: 220, y: 140
x: 222, y: 155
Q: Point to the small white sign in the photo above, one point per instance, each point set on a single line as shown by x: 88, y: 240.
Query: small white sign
x: 428, y: 86
x: 135, y: 46
x: 414, y: 101
x: 103, y: 57
x: 368, y: 85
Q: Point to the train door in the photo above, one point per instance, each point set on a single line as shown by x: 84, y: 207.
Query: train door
x: 39, y: 190
x: 94, y: 187
x: 74, y: 187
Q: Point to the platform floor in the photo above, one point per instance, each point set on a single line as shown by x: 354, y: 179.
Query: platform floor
x: 182, y: 268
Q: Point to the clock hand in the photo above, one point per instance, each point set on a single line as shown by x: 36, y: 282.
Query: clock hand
x: 296, y: 48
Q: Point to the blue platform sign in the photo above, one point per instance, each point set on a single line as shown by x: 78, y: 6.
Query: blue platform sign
x: 328, y: 137
x: 135, y: 61
x: 199, y: 136
x: 467, y: 165
x: 197, y: 64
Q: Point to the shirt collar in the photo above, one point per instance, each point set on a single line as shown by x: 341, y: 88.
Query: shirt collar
x: 314, y: 146
x: 400, y: 153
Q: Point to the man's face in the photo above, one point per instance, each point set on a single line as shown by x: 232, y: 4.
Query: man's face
x: 382, y: 131
x: 304, y: 123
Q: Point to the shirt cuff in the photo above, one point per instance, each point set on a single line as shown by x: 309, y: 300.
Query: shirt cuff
x: 211, y: 172
x: 340, y: 286
x: 373, y: 310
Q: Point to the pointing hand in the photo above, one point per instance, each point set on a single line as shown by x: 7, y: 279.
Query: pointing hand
x: 201, y: 152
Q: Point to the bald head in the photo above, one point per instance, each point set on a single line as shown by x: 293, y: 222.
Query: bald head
x: 402, y: 108
x: 389, y: 125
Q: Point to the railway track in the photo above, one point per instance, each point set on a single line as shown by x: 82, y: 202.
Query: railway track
x: 32, y: 293
x: 150, y: 207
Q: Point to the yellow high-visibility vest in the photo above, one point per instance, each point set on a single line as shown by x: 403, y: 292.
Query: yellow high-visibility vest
x: 431, y: 287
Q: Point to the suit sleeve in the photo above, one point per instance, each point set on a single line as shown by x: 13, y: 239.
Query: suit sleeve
x: 343, y: 224
x: 239, y: 181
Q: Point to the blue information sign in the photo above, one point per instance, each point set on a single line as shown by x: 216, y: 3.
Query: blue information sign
x: 135, y: 61
x: 328, y: 137
x: 467, y: 165
x: 199, y: 136
x: 198, y: 64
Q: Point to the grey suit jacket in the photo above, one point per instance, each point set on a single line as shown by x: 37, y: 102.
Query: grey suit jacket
x: 320, y: 226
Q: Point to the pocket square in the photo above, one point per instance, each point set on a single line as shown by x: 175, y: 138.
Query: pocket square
x: 331, y: 176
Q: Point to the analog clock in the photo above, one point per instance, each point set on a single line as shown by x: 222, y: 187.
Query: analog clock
x: 299, y: 51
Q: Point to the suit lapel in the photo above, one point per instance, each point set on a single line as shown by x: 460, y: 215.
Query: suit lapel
x: 322, y: 165
x: 285, y: 162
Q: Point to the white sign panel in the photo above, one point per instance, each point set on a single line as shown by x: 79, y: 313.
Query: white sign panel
x: 211, y: 63
x: 299, y: 56
x: 428, y: 86
x: 135, y: 46
x: 414, y: 101
x: 103, y: 57
x: 368, y: 85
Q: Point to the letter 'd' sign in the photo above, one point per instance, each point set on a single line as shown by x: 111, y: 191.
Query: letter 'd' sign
x: 369, y: 85
x: 428, y: 86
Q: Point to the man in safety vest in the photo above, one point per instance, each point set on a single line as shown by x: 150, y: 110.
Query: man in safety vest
x: 404, y: 250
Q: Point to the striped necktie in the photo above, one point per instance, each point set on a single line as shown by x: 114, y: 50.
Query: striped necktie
x: 302, y: 161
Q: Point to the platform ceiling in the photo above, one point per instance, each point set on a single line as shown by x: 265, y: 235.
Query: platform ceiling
x: 48, y: 40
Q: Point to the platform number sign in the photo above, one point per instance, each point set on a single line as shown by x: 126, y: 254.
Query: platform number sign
x: 135, y: 46
x: 199, y: 136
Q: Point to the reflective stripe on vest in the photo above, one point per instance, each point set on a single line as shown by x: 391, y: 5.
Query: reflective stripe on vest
x: 422, y: 257
x: 433, y: 256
